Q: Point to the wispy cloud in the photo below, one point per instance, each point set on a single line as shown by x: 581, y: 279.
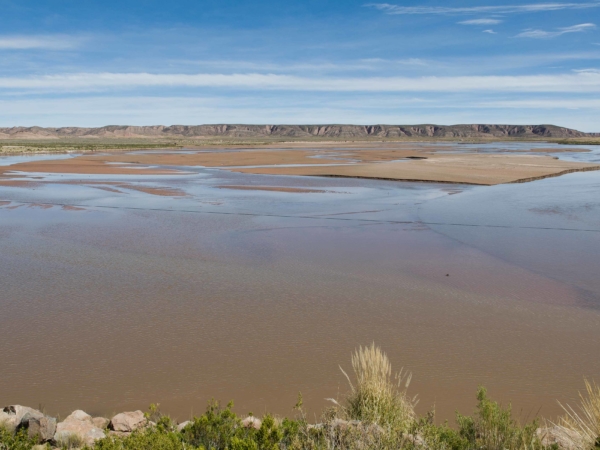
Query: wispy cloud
x: 81, y: 82
x: 266, y: 66
x: 38, y: 42
x: 480, y: 22
x: 542, y: 34
x: 489, y: 31
x: 499, y: 9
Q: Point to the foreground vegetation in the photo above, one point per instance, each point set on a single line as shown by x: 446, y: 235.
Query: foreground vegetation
x: 377, y: 413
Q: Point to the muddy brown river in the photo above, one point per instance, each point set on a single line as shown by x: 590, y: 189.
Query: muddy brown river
x: 115, y: 294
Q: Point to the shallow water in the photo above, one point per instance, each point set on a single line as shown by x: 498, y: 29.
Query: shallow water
x: 258, y: 295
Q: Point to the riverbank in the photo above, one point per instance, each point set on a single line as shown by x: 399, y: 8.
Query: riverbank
x: 377, y: 412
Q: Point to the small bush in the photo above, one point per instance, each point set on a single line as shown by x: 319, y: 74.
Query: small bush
x: 17, y: 441
x: 493, y: 427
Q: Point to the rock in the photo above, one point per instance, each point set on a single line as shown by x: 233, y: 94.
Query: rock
x: 182, y: 425
x: 119, y: 434
x: 100, y: 422
x: 128, y: 421
x: 417, y: 440
x: 15, y: 416
x: 79, y: 426
x: 340, y: 424
x: 564, y: 438
x: 252, y: 422
x: 42, y: 429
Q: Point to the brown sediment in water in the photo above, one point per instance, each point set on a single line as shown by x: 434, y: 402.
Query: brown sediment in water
x: 40, y: 205
x: 272, y: 188
x: 9, y: 182
x: 85, y: 165
x: 4, y: 203
x: 72, y: 208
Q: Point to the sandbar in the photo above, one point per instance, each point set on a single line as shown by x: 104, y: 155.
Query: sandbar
x: 462, y: 169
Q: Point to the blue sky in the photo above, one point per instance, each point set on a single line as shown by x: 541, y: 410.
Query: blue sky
x: 94, y: 63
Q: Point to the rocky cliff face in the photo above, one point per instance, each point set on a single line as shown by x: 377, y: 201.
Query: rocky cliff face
x: 297, y: 131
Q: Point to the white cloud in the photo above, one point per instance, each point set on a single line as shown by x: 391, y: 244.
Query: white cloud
x: 480, y: 22
x: 81, y: 82
x: 544, y: 104
x: 541, y: 34
x: 505, y: 9
x: 490, y: 31
x: 38, y: 42
x: 499, y: 9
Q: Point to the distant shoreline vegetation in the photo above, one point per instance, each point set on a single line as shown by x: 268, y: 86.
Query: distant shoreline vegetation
x: 376, y: 413
x: 14, y: 147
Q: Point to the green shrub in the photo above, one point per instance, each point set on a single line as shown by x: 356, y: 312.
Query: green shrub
x: 18, y: 441
x: 215, y: 429
x: 493, y: 427
x: 149, y: 439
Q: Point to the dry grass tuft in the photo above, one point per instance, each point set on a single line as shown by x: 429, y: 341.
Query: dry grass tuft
x: 377, y: 396
x: 580, y: 429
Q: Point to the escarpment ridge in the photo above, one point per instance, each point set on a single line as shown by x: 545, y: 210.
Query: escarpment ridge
x: 300, y: 131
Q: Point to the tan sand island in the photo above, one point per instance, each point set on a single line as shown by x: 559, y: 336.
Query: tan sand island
x: 403, y: 162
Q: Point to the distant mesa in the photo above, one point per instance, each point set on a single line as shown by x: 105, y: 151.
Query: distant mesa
x: 298, y: 131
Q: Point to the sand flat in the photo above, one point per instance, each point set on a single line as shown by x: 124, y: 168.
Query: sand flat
x: 462, y: 168
x: 220, y: 158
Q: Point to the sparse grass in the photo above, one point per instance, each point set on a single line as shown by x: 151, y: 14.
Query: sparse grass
x: 377, y: 396
x: 71, y: 442
x: 580, y: 427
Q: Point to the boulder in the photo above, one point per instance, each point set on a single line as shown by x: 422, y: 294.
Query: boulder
x: 564, y: 438
x: 252, y: 422
x: 101, y: 422
x: 42, y: 429
x: 15, y: 416
x: 79, y: 426
x: 182, y: 425
x: 128, y: 421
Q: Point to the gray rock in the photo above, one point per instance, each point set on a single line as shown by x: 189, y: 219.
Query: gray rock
x: 78, y: 427
x: 252, y: 422
x: 182, y: 425
x: 101, y: 422
x: 42, y: 429
x: 128, y: 421
x: 15, y: 416
x: 565, y: 439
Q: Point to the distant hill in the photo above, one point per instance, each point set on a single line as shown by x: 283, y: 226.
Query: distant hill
x: 298, y: 131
